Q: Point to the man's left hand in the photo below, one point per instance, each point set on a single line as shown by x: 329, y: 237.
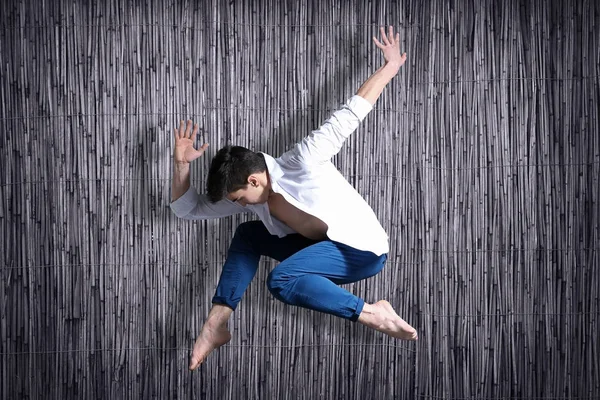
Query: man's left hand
x: 390, y: 47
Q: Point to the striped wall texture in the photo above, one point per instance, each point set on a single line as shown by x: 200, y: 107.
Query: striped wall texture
x: 481, y: 159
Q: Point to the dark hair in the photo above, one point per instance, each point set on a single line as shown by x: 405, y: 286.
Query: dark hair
x: 230, y: 169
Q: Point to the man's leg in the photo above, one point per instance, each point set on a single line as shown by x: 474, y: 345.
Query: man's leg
x: 310, y: 279
x: 251, y: 240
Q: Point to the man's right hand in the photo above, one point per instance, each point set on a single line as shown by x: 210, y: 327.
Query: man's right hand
x: 185, y: 152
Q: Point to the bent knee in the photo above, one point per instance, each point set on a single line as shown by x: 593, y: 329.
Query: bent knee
x: 276, y: 283
x: 375, y: 268
x: 379, y: 266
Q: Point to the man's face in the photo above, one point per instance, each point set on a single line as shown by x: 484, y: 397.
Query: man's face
x: 254, y: 193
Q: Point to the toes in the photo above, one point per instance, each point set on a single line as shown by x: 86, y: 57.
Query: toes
x: 195, y: 361
x: 414, y: 335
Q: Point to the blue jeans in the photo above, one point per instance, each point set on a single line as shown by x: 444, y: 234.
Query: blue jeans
x: 308, y: 275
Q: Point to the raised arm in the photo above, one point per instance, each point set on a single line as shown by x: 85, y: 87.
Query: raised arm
x: 324, y: 143
x: 183, y: 155
x: 372, y: 88
x: 185, y: 201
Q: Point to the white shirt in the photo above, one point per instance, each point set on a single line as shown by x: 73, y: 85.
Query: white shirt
x: 308, y: 180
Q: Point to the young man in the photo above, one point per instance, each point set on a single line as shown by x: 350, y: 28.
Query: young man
x: 311, y: 219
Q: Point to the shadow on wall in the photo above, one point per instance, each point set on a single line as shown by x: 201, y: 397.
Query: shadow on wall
x: 156, y: 294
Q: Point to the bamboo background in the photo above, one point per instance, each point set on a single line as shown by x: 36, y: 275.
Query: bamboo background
x: 481, y: 160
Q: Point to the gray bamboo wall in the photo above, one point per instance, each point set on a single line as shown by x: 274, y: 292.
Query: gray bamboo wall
x: 481, y: 160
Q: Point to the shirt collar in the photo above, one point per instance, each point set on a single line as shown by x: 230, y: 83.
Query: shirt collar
x: 273, y: 168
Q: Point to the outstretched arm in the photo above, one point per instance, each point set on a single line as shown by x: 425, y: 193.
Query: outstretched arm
x: 325, y: 142
x: 372, y: 88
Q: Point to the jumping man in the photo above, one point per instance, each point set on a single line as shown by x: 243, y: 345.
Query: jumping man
x: 311, y: 219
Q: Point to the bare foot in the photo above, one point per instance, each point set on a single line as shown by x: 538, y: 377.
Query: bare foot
x: 212, y: 336
x: 382, y: 317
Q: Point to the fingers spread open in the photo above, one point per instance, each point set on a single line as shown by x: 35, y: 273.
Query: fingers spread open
x: 194, y: 133
x: 188, y: 129
x: 391, y: 34
x: 383, y: 36
x: 378, y: 43
x: 179, y: 132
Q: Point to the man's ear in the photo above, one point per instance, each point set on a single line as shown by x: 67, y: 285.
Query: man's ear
x: 253, y: 181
